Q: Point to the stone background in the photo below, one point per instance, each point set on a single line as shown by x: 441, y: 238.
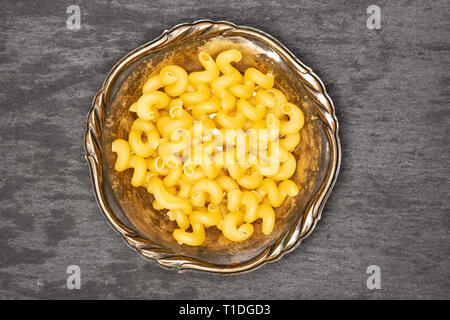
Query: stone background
x: 390, y: 206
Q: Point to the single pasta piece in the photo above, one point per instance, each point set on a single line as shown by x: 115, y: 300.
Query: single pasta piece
x: 209, y: 167
x: 147, y: 106
x: 148, y: 176
x: 168, y: 200
x: 227, y: 183
x: 152, y: 84
x: 192, y: 174
x: 296, y: 119
x: 287, y: 168
x: 157, y: 205
x: 133, y: 107
x: 219, y: 87
x: 271, y: 165
x: 279, y: 96
x: 206, y: 186
x: 140, y: 170
x: 174, y: 79
x: 290, y: 141
x: 252, y: 180
x: 185, y: 189
x: 137, y: 144
x: 168, y: 149
x: 265, y: 81
x: 233, y: 227
x: 179, y: 119
x: 267, y: 214
x: 224, y: 60
x: 122, y: 148
x: 211, y: 70
x: 250, y: 201
x: 195, y: 238
x: 234, y: 199
x: 235, y: 171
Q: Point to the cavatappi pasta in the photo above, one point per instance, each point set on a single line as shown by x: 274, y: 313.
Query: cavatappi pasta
x: 213, y: 147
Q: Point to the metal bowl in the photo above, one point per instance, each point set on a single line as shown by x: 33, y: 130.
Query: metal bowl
x: 129, y: 209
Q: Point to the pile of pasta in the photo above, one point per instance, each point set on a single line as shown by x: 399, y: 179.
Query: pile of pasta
x: 229, y: 194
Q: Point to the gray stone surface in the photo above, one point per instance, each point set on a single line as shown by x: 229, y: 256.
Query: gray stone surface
x: 390, y: 206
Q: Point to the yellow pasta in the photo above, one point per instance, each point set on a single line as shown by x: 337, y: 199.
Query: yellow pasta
x: 184, y: 190
x: 231, y: 77
x: 168, y: 200
x: 175, y: 80
x: 122, y: 148
x: 194, y: 238
x: 265, y: 98
x: 265, y: 81
x: 229, y: 121
x: 205, y: 107
x: 201, y: 94
x: 208, y: 219
x: 138, y: 146
x: 250, y: 202
x: 234, y: 229
x: 179, y: 119
x: 147, y: 106
x: 271, y: 165
x: 277, y: 194
x: 192, y: 174
x: 211, y: 70
x: 213, y: 147
x: 140, y: 170
x: 206, y: 186
x: 287, y: 168
x: 152, y: 84
x: 253, y: 113
x: 290, y: 141
x: 209, y: 167
x: 267, y: 214
x: 250, y: 180
x: 234, y: 170
x: 157, y: 166
x: 244, y: 90
x: 227, y: 183
x: 296, y: 119
x: 178, y: 216
x: 157, y: 205
x: 173, y: 177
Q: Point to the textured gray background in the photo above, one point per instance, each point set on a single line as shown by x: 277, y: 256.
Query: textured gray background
x: 390, y: 206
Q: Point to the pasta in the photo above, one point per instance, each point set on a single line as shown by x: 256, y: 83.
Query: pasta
x: 213, y: 147
x: 122, y: 148
x: 147, y: 106
x: 233, y: 227
x: 138, y: 146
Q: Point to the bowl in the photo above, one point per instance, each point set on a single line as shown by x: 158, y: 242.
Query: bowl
x: 129, y: 209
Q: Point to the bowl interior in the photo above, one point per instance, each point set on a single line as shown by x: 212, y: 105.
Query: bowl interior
x: 134, y: 205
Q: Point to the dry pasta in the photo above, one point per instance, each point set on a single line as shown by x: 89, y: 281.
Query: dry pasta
x: 213, y: 147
